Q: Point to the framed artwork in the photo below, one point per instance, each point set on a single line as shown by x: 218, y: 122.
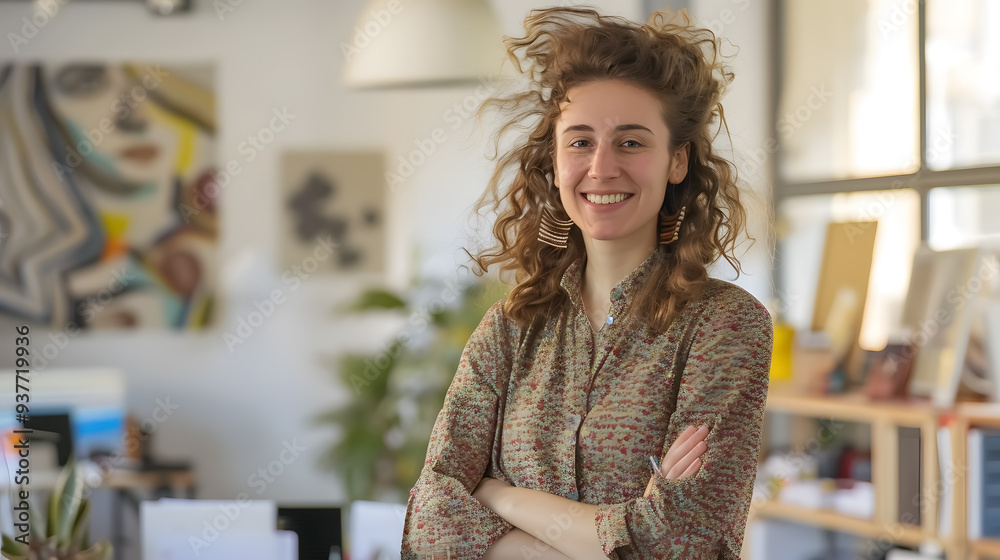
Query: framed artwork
x: 937, y: 315
x: 109, y: 216
x: 334, y: 207
x: 843, y: 288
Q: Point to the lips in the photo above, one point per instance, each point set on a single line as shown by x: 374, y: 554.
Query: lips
x: 140, y: 154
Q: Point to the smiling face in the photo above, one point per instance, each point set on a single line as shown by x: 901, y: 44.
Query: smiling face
x: 611, y: 144
x: 114, y: 119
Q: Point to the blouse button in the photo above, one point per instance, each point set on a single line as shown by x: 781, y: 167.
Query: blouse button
x: 609, y: 320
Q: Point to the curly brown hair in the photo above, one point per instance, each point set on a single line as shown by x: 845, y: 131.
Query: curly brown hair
x: 683, y: 67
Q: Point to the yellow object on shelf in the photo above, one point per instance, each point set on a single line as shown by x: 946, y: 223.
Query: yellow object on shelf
x: 781, y: 356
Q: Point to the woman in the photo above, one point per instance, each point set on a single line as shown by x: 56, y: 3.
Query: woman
x: 616, y: 205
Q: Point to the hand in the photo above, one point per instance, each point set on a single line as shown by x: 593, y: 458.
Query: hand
x: 683, y: 459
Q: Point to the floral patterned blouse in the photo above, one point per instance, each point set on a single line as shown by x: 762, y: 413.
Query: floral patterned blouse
x: 558, y: 408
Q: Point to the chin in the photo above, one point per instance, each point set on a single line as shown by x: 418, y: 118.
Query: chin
x: 606, y: 236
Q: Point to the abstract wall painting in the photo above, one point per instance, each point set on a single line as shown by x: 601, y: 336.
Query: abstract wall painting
x: 108, y: 214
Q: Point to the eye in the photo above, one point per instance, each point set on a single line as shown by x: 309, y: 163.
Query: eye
x: 635, y: 143
x: 80, y: 80
x: 575, y: 142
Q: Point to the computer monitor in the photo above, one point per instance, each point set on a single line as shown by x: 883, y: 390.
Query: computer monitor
x: 319, y: 530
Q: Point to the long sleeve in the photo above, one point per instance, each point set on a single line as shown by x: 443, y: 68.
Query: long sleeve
x: 724, y: 386
x: 442, y: 518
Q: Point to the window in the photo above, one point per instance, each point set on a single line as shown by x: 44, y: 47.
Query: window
x: 890, y: 106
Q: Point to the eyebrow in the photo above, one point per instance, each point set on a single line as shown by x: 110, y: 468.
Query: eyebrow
x: 619, y: 128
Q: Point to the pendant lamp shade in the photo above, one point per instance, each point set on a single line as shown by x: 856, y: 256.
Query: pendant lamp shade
x: 398, y: 43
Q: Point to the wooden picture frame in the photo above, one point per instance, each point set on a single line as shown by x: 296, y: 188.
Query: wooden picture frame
x: 937, y: 315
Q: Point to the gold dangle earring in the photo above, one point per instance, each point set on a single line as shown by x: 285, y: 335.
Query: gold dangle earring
x: 553, y: 231
x: 670, y: 226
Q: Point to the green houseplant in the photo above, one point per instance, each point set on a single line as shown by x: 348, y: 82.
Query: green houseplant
x: 395, y: 395
x: 66, y: 533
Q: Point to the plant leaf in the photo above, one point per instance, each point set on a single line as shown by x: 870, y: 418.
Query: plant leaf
x: 79, y: 527
x: 69, y: 490
x: 13, y: 549
x: 376, y: 299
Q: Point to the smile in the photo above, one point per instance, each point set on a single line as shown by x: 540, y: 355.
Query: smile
x: 607, y: 199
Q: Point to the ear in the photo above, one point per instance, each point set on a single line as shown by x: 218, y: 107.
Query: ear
x: 679, y: 164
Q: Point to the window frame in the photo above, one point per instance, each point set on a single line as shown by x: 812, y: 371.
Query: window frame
x: 922, y: 180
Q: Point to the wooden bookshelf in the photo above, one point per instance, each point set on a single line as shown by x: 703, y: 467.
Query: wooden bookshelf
x: 884, y: 418
x: 967, y: 415
x: 836, y: 521
x: 984, y: 548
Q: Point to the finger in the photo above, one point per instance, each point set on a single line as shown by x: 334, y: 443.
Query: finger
x: 688, y: 432
x: 681, y: 465
x: 688, y: 438
x: 680, y: 447
x: 693, y: 469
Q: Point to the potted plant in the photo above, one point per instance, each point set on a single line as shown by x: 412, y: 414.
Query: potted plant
x: 66, y: 532
x: 395, y: 395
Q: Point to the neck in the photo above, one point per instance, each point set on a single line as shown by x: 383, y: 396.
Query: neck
x: 609, y: 262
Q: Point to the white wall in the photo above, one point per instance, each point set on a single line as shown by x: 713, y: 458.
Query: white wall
x: 237, y: 409
x: 745, y: 26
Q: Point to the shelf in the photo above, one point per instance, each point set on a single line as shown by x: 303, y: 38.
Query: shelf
x: 885, y: 417
x: 854, y: 407
x: 909, y: 535
x: 980, y: 414
x: 988, y: 547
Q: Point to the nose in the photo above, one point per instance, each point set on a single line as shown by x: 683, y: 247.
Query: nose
x: 604, y: 164
x: 131, y: 115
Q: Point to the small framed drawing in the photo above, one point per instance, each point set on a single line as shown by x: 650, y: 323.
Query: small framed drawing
x: 334, y: 207
x: 937, y: 317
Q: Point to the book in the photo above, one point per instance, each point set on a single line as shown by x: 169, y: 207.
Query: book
x: 946, y: 467
x: 908, y: 479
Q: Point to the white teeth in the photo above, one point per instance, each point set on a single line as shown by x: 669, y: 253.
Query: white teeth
x: 608, y: 198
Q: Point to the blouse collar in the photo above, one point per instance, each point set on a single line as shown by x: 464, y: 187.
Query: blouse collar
x: 572, y: 282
